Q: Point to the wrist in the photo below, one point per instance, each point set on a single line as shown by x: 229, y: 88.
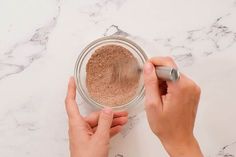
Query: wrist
x: 187, y: 148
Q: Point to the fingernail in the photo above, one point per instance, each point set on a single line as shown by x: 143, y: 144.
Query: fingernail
x: 107, y: 110
x: 148, y: 68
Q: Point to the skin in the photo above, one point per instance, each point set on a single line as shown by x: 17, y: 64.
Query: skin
x: 171, y: 109
x: 89, y: 136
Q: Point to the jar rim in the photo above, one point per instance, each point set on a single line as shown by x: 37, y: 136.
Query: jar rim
x: 94, y: 44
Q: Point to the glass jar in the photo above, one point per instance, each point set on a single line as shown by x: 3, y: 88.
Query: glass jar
x: 80, y: 69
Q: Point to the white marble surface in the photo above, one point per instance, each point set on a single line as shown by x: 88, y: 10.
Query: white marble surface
x: 41, y: 39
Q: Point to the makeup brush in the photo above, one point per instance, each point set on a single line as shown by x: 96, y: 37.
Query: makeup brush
x: 126, y: 70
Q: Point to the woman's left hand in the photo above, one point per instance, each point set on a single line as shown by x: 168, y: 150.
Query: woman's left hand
x: 89, y: 136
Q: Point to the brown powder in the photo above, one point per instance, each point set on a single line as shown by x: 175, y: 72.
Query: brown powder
x: 100, y: 82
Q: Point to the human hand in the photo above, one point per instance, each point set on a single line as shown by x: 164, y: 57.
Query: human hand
x: 89, y: 136
x: 171, y: 109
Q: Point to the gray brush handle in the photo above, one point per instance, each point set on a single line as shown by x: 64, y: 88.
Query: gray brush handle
x: 167, y: 73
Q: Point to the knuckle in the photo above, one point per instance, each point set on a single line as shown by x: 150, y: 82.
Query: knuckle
x: 197, y: 90
x: 191, y: 86
x: 188, y: 84
x: 194, y: 87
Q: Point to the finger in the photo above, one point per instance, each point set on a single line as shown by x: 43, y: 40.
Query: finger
x: 92, y: 119
x: 163, y: 61
x: 152, y: 92
x: 115, y: 121
x: 176, y: 87
x: 104, y: 124
x: 119, y: 121
x: 71, y: 105
x: 115, y: 130
x: 120, y: 114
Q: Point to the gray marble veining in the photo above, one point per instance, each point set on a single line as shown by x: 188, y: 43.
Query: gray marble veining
x: 199, y: 35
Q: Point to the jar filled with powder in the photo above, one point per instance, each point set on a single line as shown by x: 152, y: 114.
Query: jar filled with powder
x: 97, y: 76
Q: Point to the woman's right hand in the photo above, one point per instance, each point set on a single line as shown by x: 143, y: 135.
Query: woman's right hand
x: 171, y: 109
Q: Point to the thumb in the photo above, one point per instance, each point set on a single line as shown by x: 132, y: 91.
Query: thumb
x: 104, y: 124
x: 153, y: 103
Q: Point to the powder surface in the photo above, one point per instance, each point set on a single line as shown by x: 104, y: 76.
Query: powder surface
x: 100, y: 82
